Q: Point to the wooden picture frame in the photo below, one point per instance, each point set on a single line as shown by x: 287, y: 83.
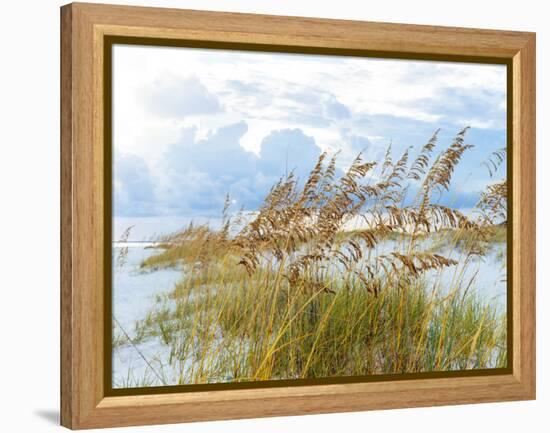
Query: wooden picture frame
x: 85, y: 31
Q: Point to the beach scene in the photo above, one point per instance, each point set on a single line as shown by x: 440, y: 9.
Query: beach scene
x: 291, y: 216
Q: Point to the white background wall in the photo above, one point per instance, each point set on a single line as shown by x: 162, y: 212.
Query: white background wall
x: 29, y: 215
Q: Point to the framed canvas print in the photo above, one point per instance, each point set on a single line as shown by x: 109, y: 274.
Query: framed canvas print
x: 269, y: 216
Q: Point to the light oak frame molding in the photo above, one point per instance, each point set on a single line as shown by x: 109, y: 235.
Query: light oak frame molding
x: 83, y: 400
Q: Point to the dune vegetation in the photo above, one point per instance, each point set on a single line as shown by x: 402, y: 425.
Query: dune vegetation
x: 294, y: 290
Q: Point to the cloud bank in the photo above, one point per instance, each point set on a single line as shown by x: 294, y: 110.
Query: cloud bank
x: 191, y: 126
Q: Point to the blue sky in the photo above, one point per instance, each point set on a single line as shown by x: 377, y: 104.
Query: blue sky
x: 192, y: 125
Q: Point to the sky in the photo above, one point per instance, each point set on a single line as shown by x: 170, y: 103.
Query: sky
x: 193, y: 125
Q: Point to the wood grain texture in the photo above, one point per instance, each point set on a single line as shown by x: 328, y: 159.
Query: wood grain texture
x: 310, y: 32
x: 67, y: 394
x: 524, y: 214
x: 83, y: 401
